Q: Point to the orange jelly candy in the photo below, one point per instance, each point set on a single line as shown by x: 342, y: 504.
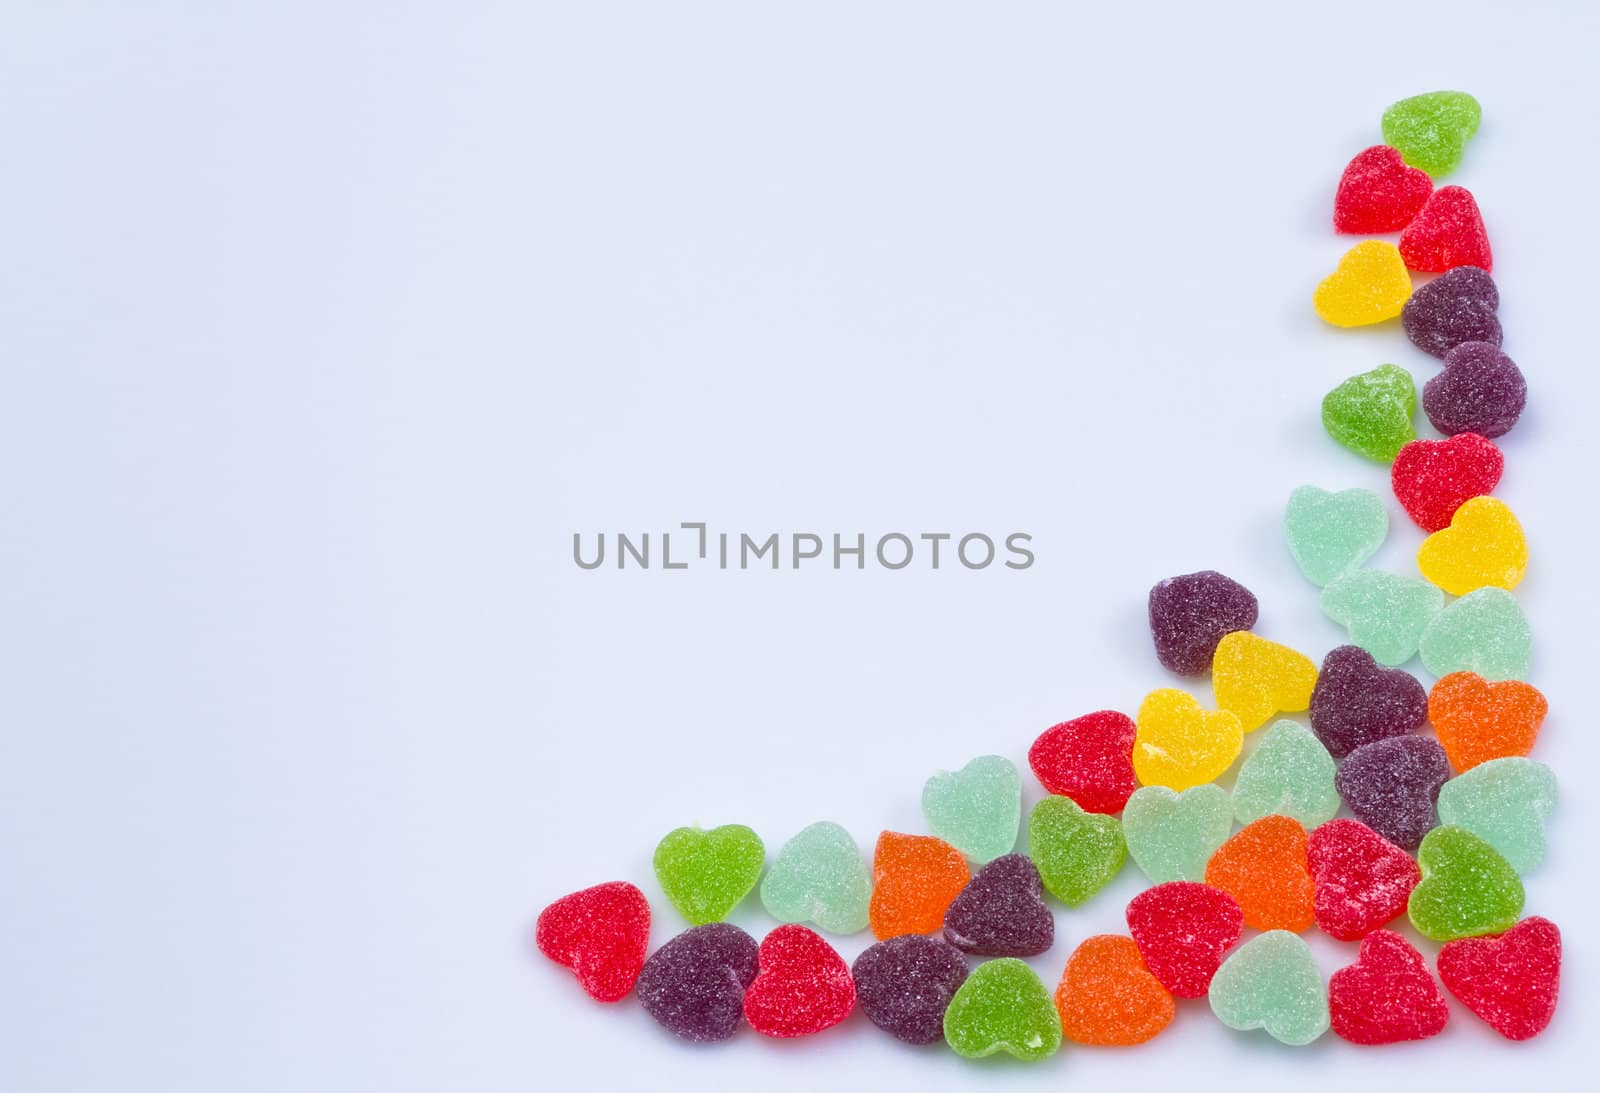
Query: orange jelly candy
x: 1478, y: 720
x: 1264, y: 867
x: 914, y: 879
x: 1108, y: 998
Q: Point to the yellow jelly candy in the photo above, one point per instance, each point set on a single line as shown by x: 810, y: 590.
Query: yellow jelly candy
x: 1179, y: 744
x: 1255, y: 678
x: 1370, y: 285
x: 1483, y: 547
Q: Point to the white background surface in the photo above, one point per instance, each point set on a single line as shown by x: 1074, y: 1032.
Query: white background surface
x: 323, y: 327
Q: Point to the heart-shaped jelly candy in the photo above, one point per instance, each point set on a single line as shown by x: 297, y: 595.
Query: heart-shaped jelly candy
x: 1511, y: 981
x: 1329, y: 534
x: 1447, y: 233
x: 1362, y: 879
x: 802, y: 987
x: 1369, y: 285
x: 1271, y: 982
x: 1172, y: 835
x: 1255, y: 678
x: 1391, y: 786
x: 1077, y: 852
x: 1108, y: 998
x: 1190, y: 614
x: 1504, y: 802
x: 705, y: 874
x: 905, y: 984
x: 1001, y: 911
x: 1477, y: 720
x: 1183, y: 930
x: 1181, y: 745
x: 1482, y: 548
x: 1434, y: 478
x: 1431, y: 130
x: 1003, y: 1006
x: 1483, y: 632
x: 1452, y: 310
x: 1467, y: 888
x: 914, y: 880
x: 819, y: 876
x: 1089, y: 759
x: 1370, y: 413
x: 1387, y: 995
x: 1481, y: 390
x: 1378, y: 193
x: 694, y: 984
x: 1357, y: 702
x: 1289, y: 774
x: 1264, y: 868
x: 601, y: 933
x: 1384, y: 613
x: 976, y: 809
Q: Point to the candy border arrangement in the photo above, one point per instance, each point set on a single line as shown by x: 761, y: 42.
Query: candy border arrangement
x: 1442, y: 826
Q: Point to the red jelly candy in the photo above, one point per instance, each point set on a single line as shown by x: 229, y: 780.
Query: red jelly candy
x: 1378, y: 193
x: 1447, y: 233
x: 1433, y: 478
x: 1089, y: 759
x: 1387, y: 995
x: 1183, y: 930
x: 601, y: 933
x: 1510, y: 981
x: 1362, y: 880
x: 802, y: 985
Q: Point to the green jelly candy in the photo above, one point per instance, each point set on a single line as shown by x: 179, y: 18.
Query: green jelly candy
x: 1483, y: 632
x: 976, y: 809
x: 820, y: 877
x: 1386, y: 614
x: 1431, y: 131
x: 1504, y: 802
x: 1330, y: 534
x: 1289, y: 774
x: 706, y: 873
x: 1271, y: 982
x: 1467, y: 888
x: 1077, y: 852
x: 1371, y: 413
x: 1003, y: 1006
x: 1172, y: 835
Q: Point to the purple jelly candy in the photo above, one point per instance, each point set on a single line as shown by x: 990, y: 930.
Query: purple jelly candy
x: 1481, y: 390
x: 1392, y: 786
x: 1190, y: 614
x: 1455, y: 308
x: 694, y: 984
x: 1357, y: 701
x: 905, y: 984
x: 1001, y: 911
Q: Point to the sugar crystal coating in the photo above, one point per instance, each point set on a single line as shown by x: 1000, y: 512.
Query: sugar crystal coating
x: 1264, y: 868
x: 1484, y: 546
x: 1003, y: 1006
x: 1452, y: 310
x: 1511, y: 981
x: 1378, y: 193
x: 694, y: 984
x: 1370, y: 284
x: 819, y: 876
x: 1447, y: 233
x: 1431, y: 130
x: 1271, y: 982
x: 1481, y: 390
x: 905, y: 984
x: 1108, y: 998
x: 1362, y: 879
x: 1183, y: 930
x: 1077, y: 852
x: 1255, y: 678
x: 1391, y: 786
x: 1289, y: 774
x: 706, y: 874
x: 1384, y: 613
x: 601, y: 933
x: 976, y: 809
x: 1089, y: 759
x: 802, y: 987
x: 1179, y: 744
x: 1504, y: 802
x: 1483, y: 632
x: 914, y: 880
x: 1370, y: 413
x: 1191, y: 613
x: 1434, y: 478
x: 1330, y: 534
x: 1387, y: 996
x: 1478, y: 720
x: 1001, y: 911
x: 1172, y: 835
x: 1357, y: 702
x: 1467, y: 888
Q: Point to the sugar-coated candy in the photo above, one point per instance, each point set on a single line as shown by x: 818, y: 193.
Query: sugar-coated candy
x: 1271, y: 982
x: 1108, y: 998
x: 914, y: 880
x: 1001, y: 911
x: 1191, y: 613
x: 1362, y: 879
x: 694, y: 984
x: 905, y: 984
x: 1483, y: 547
x: 1504, y: 802
x: 1370, y: 413
x: 1003, y: 1006
x: 1451, y: 310
x: 976, y: 809
x: 819, y: 876
x: 1089, y: 759
x: 1447, y: 233
x: 1511, y: 981
x: 1255, y: 678
x: 1481, y: 390
x: 1369, y: 285
x: 1384, y: 613
x: 1387, y: 996
x: 1289, y: 774
x: 1179, y: 744
x: 706, y: 874
x: 1172, y: 835
x: 1077, y: 852
x: 1183, y: 930
x: 1391, y: 786
x: 1432, y: 130
x: 1467, y: 888
x: 1330, y: 534
x: 1264, y: 868
x: 802, y: 985
x: 1378, y: 193
x: 1433, y: 478
x: 1478, y: 720
x: 1483, y: 632
x: 601, y: 933
x: 1357, y: 701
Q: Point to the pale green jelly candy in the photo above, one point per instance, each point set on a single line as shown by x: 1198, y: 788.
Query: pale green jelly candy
x: 1003, y: 1006
x: 1371, y: 413
x: 1483, y: 632
x: 1431, y: 131
x: 1289, y: 774
x: 705, y: 874
x: 1330, y: 534
x: 1504, y: 802
x: 1467, y: 888
x: 976, y: 809
x: 1271, y: 982
x: 1386, y: 614
x: 1077, y: 852
x: 819, y: 877
x: 1172, y: 835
